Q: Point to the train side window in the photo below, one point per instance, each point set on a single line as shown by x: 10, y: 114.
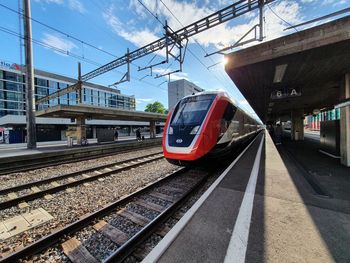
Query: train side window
x: 229, y: 112
x: 227, y: 118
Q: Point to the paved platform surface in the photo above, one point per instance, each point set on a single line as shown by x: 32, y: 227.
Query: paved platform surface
x: 270, y: 213
x: 9, y: 150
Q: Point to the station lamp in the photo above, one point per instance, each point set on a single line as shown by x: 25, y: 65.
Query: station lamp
x: 280, y: 70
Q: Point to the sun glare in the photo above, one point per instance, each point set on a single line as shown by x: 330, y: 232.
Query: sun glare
x: 225, y: 61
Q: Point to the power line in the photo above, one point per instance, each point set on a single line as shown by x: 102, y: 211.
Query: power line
x: 184, y: 26
x: 155, y: 16
x: 282, y: 18
x: 60, y: 31
x: 68, y: 53
x: 189, y: 50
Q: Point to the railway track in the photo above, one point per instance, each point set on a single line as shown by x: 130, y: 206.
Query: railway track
x: 36, y: 189
x: 143, y: 210
x: 23, y: 163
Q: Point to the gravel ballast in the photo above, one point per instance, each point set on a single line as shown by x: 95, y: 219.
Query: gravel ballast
x: 67, y: 207
x: 13, y: 179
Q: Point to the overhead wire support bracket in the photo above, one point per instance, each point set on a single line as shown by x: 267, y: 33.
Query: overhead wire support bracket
x: 166, y: 74
x: 152, y: 66
x: 126, y: 76
x: 258, y: 35
x: 238, y: 42
x: 230, y: 12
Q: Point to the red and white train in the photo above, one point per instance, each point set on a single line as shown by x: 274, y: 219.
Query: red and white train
x: 205, y: 125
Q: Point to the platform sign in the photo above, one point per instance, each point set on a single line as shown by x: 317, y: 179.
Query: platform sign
x: 285, y: 93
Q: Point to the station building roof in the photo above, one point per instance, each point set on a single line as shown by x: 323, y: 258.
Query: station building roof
x: 93, y: 112
x: 304, y: 70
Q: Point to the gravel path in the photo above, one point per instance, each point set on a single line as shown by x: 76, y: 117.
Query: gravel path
x: 68, y: 207
x: 14, y: 179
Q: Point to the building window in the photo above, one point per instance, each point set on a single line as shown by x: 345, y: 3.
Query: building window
x: 14, y: 105
x: 53, y: 84
x: 41, y: 82
x: 14, y: 87
x: 62, y: 85
x: 42, y: 91
x: 15, y: 96
x: 13, y: 76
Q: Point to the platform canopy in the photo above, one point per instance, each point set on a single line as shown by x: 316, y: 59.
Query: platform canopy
x: 302, y: 71
x: 93, y: 112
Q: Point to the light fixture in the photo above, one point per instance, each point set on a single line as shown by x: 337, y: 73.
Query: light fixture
x: 279, y: 73
x: 225, y: 61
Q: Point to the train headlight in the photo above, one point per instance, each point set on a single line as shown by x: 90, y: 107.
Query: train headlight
x: 171, y: 130
x: 195, y: 130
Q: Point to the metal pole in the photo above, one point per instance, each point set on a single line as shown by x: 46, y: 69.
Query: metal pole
x: 261, y: 20
x: 30, y: 99
x: 80, y: 89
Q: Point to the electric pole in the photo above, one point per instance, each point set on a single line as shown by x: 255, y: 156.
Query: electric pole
x: 30, y: 103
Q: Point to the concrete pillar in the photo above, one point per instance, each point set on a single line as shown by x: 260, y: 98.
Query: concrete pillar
x: 94, y: 132
x: 345, y: 125
x: 297, y: 129
x: 152, y: 129
x: 81, y: 129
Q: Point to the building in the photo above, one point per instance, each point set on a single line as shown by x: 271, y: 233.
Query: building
x: 12, y: 104
x: 179, y: 89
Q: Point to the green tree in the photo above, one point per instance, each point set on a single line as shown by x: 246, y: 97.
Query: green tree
x: 156, y: 107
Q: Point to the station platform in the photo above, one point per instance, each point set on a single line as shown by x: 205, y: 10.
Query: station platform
x: 20, y: 149
x: 264, y: 208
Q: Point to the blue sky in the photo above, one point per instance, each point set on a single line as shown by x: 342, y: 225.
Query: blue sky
x: 115, y: 25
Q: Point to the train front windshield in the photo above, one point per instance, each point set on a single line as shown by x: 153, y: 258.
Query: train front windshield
x: 192, y: 110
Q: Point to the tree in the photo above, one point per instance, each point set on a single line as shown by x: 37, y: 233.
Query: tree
x: 156, y: 107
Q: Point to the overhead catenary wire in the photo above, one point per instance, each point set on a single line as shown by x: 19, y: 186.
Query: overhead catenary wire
x: 199, y: 45
x: 149, y: 11
x: 190, y: 51
x: 68, y: 53
x: 65, y: 52
x: 285, y: 21
x: 59, y: 31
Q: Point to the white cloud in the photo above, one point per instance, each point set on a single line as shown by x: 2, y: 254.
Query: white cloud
x: 60, y: 2
x: 222, y: 35
x: 137, y: 37
x: 145, y: 100
x: 58, y: 42
x: 179, y: 75
x: 76, y: 5
x: 173, y: 76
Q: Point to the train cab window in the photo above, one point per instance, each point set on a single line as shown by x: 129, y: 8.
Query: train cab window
x: 192, y: 110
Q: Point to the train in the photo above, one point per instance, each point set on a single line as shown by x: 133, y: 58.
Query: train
x: 206, y: 125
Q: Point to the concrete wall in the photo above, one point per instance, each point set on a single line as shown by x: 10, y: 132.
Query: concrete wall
x: 179, y: 89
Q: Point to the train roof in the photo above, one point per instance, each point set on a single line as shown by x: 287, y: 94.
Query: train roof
x: 224, y: 93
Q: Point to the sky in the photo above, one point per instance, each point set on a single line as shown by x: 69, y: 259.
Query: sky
x: 96, y: 32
